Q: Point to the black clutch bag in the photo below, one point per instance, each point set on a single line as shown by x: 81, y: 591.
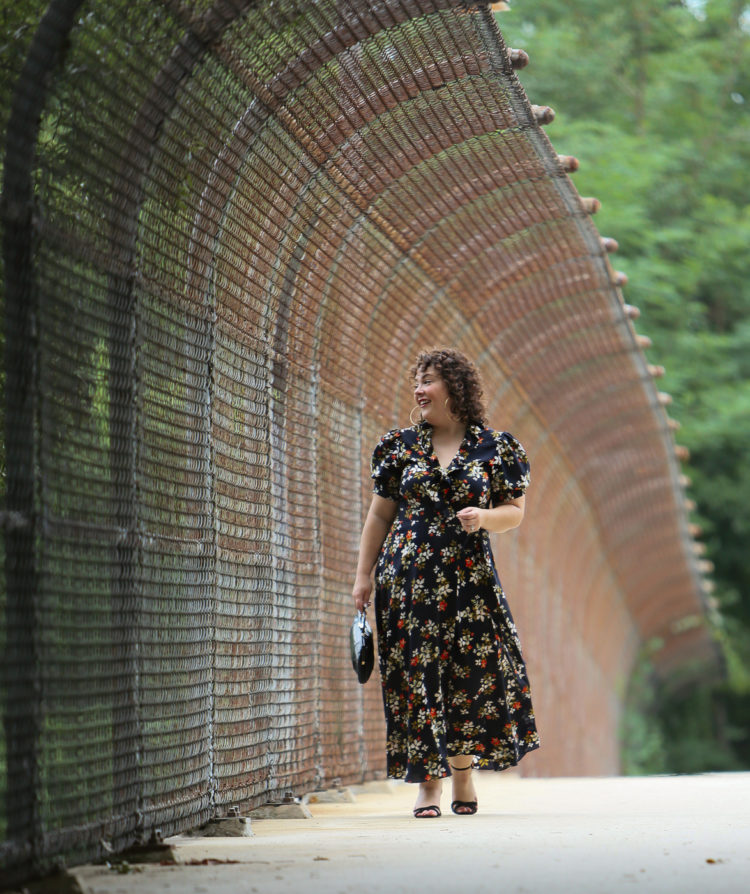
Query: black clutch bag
x: 362, y: 646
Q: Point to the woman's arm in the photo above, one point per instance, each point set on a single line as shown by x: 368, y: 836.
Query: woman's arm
x: 377, y: 524
x: 497, y: 520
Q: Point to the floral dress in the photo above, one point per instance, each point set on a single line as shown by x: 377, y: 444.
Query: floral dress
x: 453, y: 676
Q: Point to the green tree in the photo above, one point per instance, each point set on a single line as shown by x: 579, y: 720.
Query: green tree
x: 653, y: 97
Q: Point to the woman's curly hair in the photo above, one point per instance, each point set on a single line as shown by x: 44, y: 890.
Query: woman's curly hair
x: 461, y: 379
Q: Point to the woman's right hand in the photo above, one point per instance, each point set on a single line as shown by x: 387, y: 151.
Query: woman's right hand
x: 361, y: 592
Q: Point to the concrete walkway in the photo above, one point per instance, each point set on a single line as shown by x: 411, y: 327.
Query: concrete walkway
x: 531, y: 836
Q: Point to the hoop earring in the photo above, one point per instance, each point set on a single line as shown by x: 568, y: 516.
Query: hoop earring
x: 412, y: 413
x: 449, y: 409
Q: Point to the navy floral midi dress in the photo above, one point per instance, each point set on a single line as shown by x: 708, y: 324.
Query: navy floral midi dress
x: 453, y: 676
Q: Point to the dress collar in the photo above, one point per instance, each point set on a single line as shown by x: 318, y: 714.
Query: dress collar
x: 424, y: 438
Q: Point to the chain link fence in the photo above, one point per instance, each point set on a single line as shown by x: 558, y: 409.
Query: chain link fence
x: 228, y: 227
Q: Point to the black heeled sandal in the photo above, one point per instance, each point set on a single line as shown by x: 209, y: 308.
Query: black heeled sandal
x: 421, y: 812
x: 469, y: 807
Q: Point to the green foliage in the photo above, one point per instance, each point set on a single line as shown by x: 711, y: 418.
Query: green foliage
x: 643, y: 746
x: 18, y: 21
x: 653, y: 97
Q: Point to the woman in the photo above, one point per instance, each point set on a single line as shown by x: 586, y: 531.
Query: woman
x: 455, y: 689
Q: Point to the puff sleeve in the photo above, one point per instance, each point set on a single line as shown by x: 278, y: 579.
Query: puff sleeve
x: 509, y: 469
x: 387, y: 465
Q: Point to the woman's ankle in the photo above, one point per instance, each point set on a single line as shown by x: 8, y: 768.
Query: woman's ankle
x: 431, y: 785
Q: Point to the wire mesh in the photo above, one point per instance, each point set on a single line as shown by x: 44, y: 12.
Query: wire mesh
x: 228, y: 228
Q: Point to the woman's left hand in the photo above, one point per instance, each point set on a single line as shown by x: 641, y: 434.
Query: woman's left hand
x: 470, y: 518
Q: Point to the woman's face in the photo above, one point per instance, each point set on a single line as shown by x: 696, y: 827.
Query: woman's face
x: 431, y: 394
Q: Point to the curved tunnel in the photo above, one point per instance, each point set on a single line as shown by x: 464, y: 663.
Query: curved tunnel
x: 228, y: 229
